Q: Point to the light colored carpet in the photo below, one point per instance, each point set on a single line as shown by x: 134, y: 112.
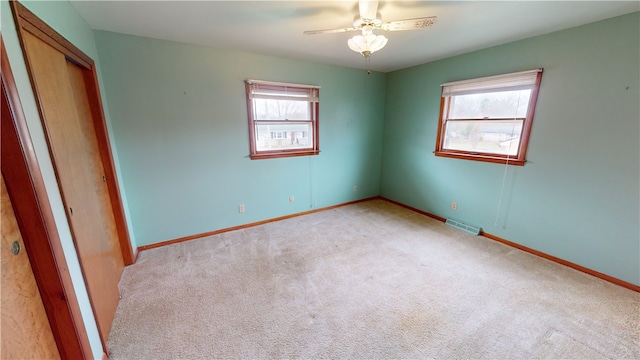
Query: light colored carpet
x: 369, y: 280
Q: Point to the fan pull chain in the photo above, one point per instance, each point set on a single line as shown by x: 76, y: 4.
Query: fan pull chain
x: 367, y: 64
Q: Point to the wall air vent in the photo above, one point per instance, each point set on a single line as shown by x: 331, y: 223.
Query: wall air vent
x: 471, y: 229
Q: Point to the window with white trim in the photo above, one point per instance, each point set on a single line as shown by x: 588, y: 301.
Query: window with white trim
x: 489, y: 118
x: 283, y: 119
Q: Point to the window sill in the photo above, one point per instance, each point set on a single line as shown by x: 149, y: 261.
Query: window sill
x: 481, y: 157
x: 282, y: 154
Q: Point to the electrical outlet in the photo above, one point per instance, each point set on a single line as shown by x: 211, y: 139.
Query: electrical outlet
x: 454, y: 205
x: 241, y: 208
x: 355, y: 188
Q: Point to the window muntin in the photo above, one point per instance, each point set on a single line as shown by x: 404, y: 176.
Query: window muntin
x: 283, y: 119
x: 488, y: 119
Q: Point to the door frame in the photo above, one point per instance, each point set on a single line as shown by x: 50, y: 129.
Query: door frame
x: 28, y: 195
x: 26, y: 21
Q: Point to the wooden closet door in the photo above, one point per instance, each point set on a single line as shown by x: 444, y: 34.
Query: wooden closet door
x: 80, y: 173
x: 25, y: 331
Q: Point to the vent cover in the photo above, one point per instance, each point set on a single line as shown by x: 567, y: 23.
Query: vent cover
x: 471, y: 229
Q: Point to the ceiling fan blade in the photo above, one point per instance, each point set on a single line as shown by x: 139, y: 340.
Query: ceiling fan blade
x: 368, y: 9
x: 328, y: 31
x: 410, y: 24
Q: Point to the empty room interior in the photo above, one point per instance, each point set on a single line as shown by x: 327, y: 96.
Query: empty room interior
x: 320, y: 179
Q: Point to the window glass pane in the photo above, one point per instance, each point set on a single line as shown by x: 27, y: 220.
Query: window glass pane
x: 269, y: 109
x: 502, y: 104
x: 284, y: 136
x: 493, y: 136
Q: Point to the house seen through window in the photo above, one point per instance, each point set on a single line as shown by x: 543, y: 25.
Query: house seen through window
x: 488, y: 119
x: 283, y: 119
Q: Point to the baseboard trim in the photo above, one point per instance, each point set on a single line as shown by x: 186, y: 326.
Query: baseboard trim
x: 436, y: 217
x: 541, y: 254
x: 244, y: 226
x: 560, y: 261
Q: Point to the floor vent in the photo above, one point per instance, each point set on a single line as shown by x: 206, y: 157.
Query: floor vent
x: 471, y: 229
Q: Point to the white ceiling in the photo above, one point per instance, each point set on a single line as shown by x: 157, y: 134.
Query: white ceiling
x: 275, y: 27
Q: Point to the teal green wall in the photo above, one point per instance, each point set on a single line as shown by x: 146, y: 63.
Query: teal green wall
x: 177, y: 121
x: 180, y: 126
x: 61, y: 16
x: 578, y: 195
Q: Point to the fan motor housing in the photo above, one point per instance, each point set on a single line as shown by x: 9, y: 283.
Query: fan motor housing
x: 359, y: 22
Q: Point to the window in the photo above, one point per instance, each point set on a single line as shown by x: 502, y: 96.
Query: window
x: 489, y: 118
x: 283, y: 119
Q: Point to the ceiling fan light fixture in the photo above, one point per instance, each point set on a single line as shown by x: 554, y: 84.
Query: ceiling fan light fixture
x: 367, y: 44
x: 369, y: 19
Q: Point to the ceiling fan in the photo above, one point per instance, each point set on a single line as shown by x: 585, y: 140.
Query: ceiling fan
x: 370, y: 19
